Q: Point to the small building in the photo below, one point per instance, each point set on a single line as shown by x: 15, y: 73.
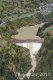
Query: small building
x: 48, y: 8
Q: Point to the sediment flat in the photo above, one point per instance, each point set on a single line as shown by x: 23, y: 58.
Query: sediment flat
x: 27, y: 33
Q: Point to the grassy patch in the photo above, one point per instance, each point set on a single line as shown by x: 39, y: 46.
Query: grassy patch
x: 49, y: 29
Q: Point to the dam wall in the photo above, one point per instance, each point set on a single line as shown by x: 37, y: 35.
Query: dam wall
x: 32, y: 46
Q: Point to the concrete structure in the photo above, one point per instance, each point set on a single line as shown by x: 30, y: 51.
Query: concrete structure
x: 32, y: 46
x: 27, y: 38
